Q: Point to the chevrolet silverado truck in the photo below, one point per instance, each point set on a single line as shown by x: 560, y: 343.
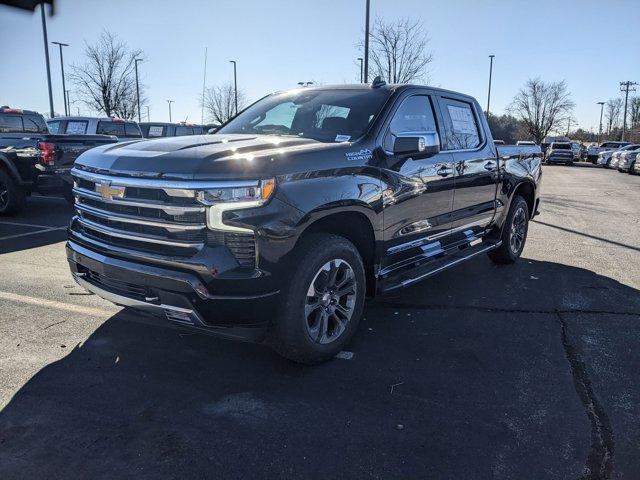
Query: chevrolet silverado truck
x: 33, y: 160
x: 277, y: 227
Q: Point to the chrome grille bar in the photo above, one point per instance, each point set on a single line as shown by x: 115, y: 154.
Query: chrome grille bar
x: 136, y: 237
x: 138, y: 220
x: 170, y: 209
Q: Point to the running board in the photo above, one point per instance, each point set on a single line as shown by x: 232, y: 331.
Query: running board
x: 425, y: 270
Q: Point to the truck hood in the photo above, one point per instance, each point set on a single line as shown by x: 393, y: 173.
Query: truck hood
x: 208, y: 156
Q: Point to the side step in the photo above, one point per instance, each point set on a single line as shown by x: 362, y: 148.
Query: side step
x: 409, y: 276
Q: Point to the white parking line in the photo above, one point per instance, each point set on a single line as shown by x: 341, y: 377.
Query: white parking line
x: 3, y: 222
x: 67, y: 307
x: 33, y: 233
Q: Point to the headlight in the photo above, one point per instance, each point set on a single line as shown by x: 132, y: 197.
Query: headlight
x: 258, y: 194
x: 234, y: 197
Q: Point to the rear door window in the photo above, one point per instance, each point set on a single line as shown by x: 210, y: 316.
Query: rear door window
x: 76, y: 127
x: 461, y: 125
x: 181, y: 130
x: 132, y: 130
x: 11, y: 124
x: 34, y: 124
x: 54, y: 126
x: 110, y: 128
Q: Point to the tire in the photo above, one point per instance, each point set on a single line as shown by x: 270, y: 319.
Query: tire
x: 632, y: 168
x: 308, y: 305
x: 12, y: 196
x: 516, y: 224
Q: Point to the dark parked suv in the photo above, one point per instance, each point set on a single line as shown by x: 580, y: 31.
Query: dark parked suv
x: 277, y: 227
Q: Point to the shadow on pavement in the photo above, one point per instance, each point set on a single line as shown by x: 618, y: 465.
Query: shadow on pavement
x: 469, y: 379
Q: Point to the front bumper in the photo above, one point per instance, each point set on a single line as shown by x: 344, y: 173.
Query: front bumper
x: 179, y: 296
x: 559, y: 159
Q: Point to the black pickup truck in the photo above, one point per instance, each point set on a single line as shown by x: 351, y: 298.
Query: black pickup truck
x: 277, y: 227
x: 33, y: 160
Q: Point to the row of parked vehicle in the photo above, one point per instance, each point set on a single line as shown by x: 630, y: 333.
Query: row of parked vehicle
x: 36, y: 155
x: 122, y: 129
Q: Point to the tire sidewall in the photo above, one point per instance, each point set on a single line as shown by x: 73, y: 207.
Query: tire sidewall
x: 290, y: 331
x: 517, y: 203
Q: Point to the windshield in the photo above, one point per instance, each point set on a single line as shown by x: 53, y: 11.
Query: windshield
x: 324, y: 115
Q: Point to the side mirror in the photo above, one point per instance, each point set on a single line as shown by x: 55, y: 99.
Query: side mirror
x: 424, y: 144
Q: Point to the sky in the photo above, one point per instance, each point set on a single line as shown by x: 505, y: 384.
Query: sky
x: 593, y: 45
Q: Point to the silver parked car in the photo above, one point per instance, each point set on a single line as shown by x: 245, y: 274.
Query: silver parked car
x: 594, y: 150
x: 606, y: 158
x: 615, y: 157
x: 559, y: 152
x: 627, y: 158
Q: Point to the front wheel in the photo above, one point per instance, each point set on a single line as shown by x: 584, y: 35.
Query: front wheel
x: 323, y: 302
x: 514, y: 233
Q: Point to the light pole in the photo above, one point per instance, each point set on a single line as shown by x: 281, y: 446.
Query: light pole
x: 600, y: 130
x: 568, y: 126
x: 366, y: 44
x: 46, y: 56
x: 361, y: 67
x: 148, y: 116
x: 490, y: 75
x: 235, y: 84
x: 68, y: 103
x: 138, y: 88
x: 204, y: 82
x: 64, y: 88
x: 170, y: 102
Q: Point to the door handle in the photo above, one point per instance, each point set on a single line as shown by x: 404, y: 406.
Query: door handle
x: 444, y: 171
x: 491, y: 166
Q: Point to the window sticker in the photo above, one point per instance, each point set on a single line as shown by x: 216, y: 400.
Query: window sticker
x: 76, y: 128
x: 155, y: 131
x: 462, y: 120
x: 343, y: 138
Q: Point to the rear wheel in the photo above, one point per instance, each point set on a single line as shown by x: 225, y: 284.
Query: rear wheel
x: 632, y: 168
x: 12, y: 196
x: 323, y: 301
x: 514, y: 233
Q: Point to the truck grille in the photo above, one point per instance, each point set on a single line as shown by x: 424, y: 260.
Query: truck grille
x: 160, y: 217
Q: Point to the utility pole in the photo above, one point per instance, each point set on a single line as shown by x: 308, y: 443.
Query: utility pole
x: 148, y: 115
x: 204, y: 82
x: 626, y: 87
x: 170, y: 102
x: 46, y: 56
x: 361, y: 67
x: 490, y: 74
x: 568, y: 126
x: 137, y: 87
x: 235, y: 84
x: 366, y: 44
x: 600, y: 130
x: 64, y: 88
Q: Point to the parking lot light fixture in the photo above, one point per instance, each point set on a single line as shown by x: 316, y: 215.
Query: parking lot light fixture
x: 170, y: 102
x: 491, y: 57
x: 46, y: 57
x: 600, y: 129
x: 137, y: 87
x: 235, y: 85
x: 64, y: 88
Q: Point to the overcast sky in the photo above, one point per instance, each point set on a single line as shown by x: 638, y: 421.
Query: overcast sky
x: 593, y: 45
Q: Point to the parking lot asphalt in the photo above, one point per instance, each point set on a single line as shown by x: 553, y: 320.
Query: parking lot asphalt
x: 526, y: 371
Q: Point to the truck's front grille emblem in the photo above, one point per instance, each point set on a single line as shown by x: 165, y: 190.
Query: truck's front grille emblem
x: 109, y: 192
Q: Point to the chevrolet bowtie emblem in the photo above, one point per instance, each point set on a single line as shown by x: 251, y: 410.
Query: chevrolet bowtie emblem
x: 109, y: 192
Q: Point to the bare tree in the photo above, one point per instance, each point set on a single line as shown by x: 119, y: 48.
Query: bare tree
x: 398, y: 51
x: 106, y: 82
x: 219, y: 102
x: 613, y: 114
x: 542, y: 107
x: 634, y: 111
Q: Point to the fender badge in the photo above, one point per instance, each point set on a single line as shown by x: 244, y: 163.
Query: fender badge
x: 362, y: 155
